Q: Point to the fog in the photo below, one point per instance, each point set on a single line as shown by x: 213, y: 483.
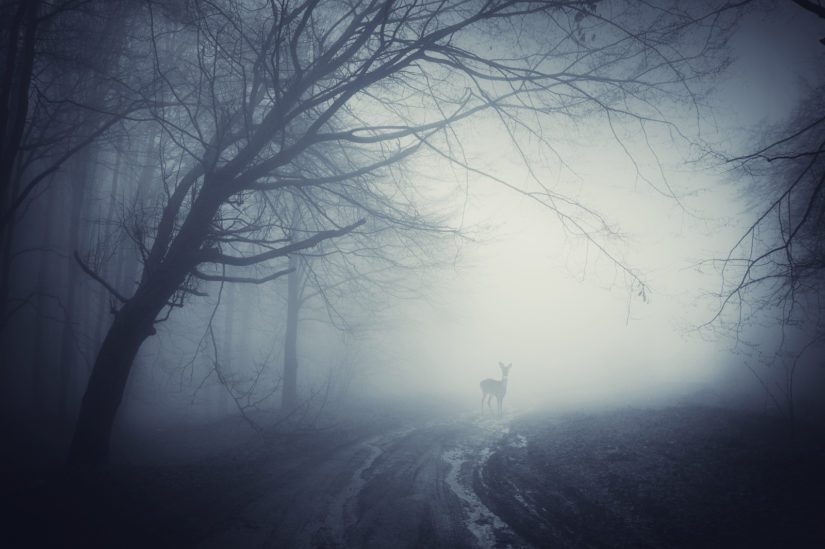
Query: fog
x: 262, y: 253
x: 518, y: 287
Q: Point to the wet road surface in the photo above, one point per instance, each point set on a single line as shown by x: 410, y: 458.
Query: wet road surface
x: 406, y: 488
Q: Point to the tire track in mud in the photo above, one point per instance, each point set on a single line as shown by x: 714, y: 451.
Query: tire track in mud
x: 478, y: 519
x: 412, y: 487
x: 403, y: 500
x: 419, y: 490
x: 342, y: 514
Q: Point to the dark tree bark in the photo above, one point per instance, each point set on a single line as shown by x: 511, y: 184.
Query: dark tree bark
x: 6, y: 254
x: 133, y: 324
x: 14, y: 90
x: 165, y: 274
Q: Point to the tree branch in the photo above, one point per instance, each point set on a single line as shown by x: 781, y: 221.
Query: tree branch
x: 240, y: 279
x: 100, y: 280
x: 281, y: 252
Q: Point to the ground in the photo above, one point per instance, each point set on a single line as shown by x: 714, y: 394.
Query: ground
x: 675, y: 477
x: 680, y: 477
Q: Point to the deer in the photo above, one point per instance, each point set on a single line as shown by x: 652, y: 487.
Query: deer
x: 495, y: 388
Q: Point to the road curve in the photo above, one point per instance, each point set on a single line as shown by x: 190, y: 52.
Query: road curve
x: 406, y: 488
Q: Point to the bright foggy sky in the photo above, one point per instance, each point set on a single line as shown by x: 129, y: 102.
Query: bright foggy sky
x: 524, y: 295
x: 524, y: 292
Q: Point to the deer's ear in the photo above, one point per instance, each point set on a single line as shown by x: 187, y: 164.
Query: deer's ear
x: 511, y: 365
x: 502, y: 364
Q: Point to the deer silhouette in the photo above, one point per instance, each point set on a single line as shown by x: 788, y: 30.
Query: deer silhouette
x: 495, y: 388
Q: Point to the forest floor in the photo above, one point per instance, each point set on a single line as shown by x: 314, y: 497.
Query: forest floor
x: 674, y: 477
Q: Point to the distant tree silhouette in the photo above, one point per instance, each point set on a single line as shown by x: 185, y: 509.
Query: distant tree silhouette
x: 774, y: 274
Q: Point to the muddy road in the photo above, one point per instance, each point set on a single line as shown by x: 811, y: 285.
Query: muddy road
x: 410, y: 487
x: 678, y: 477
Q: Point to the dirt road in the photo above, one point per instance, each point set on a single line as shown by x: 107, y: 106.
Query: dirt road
x: 406, y: 488
x: 677, y: 477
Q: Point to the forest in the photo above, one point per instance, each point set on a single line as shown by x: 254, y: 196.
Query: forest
x: 260, y: 259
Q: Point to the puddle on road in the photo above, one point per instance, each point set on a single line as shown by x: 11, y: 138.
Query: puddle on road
x: 519, y: 442
x: 478, y: 518
x: 471, y: 454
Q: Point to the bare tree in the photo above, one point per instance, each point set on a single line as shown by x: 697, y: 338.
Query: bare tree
x: 777, y: 264
x: 251, y: 90
x: 774, y: 274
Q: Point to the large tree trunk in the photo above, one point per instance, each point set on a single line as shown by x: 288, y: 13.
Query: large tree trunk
x: 6, y: 256
x: 14, y: 94
x: 132, y: 325
x: 14, y: 106
x: 289, y: 398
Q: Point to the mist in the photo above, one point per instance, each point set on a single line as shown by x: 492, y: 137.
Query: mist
x: 405, y: 274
